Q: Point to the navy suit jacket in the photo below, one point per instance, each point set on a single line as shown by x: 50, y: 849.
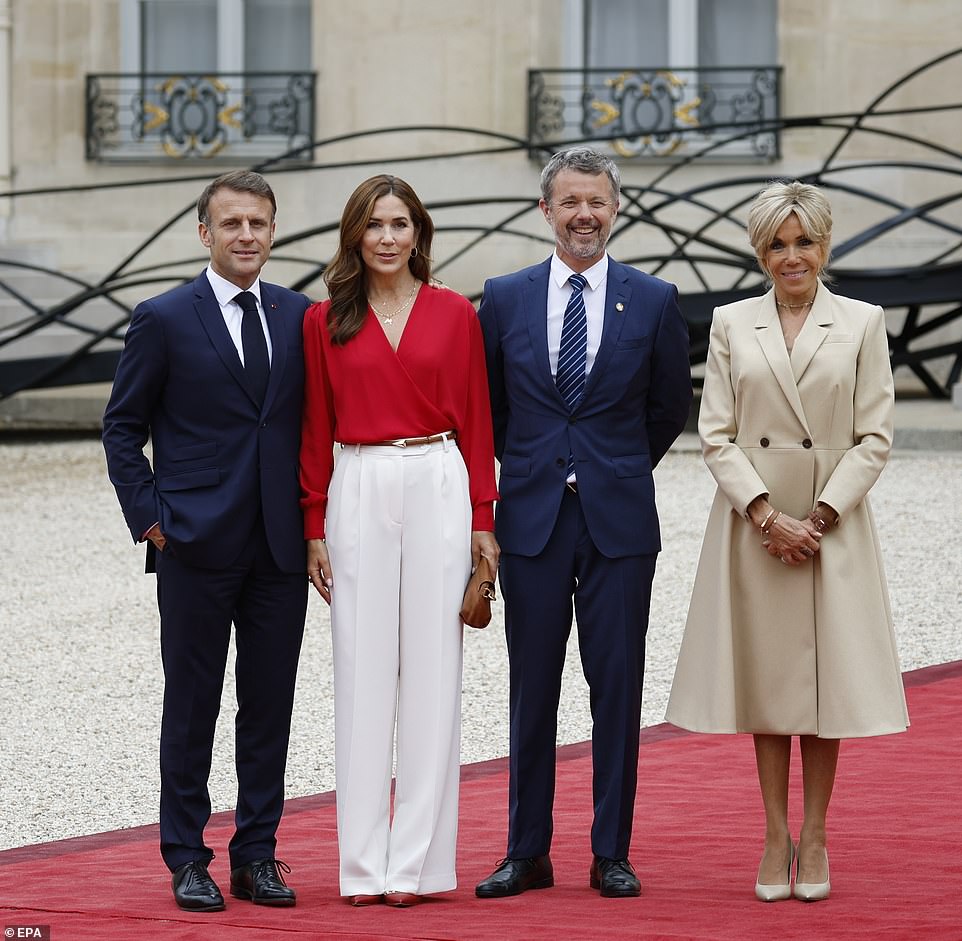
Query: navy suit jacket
x: 636, y: 402
x: 218, y: 459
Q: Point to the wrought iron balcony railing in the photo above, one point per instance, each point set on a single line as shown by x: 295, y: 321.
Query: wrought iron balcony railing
x: 233, y: 116
x: 656, y: 112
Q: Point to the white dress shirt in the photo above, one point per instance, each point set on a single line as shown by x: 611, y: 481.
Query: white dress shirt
x: 594, y: 295
x: 233, y: 314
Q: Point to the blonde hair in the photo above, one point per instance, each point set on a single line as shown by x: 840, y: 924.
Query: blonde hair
x: 773, y: 205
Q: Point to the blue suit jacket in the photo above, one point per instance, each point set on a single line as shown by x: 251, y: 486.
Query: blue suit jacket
x: 218, y: 459
x: 636, y: 402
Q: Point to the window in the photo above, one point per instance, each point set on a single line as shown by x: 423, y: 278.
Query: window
x: 216, y: 36
x: 664, y: 78
x: 678, y: 34
x: 200, y: 79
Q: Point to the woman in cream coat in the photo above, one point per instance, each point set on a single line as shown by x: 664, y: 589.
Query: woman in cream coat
x: 789, y: 630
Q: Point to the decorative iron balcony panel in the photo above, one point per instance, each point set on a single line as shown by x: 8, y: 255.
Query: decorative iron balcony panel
x: 228, y: 116
x: 657, y: 112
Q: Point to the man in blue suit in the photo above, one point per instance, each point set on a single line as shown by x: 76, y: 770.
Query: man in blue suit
x: 212, y: 373
x: 590, y: 384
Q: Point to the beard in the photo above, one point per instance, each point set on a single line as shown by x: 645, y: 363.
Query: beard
x: 583, y: 247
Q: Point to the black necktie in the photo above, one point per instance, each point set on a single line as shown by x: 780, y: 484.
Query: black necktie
x: 573, y: 353
x: 257, y: 364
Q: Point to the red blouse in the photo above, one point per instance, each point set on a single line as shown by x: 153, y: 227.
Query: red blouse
x: 364, y: 391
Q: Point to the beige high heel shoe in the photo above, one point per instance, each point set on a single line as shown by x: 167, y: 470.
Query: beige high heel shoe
x: 781, y: 890
x: 814, y: 891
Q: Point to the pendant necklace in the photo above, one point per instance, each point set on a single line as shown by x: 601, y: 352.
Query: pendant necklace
x: 389, y: 318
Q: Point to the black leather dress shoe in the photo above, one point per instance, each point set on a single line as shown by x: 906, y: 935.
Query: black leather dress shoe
x: 194, y: 890
x: 615, y: 877
x: 514, y: 876
x: 261, y: 882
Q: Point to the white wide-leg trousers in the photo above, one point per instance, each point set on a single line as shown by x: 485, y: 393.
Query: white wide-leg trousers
x: 399, y: 537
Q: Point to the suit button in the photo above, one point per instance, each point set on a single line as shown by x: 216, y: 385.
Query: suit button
x: 807, y: 443
x: 764, y: 442
x: 561, y: 462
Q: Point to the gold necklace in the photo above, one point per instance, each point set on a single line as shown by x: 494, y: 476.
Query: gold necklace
x: 795, y: 306
x: 389, y: 318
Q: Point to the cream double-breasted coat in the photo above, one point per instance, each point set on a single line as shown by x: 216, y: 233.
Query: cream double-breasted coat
x: 769, y: 647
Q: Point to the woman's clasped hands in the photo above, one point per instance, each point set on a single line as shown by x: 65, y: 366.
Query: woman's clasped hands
x: 792, y: 540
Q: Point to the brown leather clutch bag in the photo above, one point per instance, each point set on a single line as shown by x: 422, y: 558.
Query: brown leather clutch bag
x: 476, y: 606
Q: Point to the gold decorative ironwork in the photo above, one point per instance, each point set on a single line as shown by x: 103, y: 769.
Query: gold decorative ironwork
x: 607, y: 112
x: 159, y: 119
x: 227, y: 116
x: 199, y: 116
x: 684, y: 112
x: 658, y: 112
x: 618, y: 82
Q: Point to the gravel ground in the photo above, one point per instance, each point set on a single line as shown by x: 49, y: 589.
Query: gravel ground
x: 80, y: 667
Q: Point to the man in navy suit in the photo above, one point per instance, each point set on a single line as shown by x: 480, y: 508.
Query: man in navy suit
x: 212, y: 373
x: 590, y: 384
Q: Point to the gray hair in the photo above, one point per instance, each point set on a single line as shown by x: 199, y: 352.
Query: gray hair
x: 776, y: 203
x: 241, y: 181
x: 583, y: 160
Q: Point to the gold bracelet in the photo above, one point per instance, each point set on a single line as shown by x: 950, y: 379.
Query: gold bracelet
x: 765, y: 531
x: 761, y: 528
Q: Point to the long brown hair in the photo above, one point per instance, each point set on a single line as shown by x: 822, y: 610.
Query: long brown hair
x: 346, y: 275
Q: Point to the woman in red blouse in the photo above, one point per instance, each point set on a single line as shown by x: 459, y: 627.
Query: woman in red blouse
x: 395, y: 374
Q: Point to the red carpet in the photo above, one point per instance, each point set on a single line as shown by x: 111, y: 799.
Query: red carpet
x: 896, y: 857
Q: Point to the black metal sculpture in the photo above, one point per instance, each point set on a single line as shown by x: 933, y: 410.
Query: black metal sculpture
x: 711, y: 254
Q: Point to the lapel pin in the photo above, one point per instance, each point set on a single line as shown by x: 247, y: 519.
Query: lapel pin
x: 619, y: 306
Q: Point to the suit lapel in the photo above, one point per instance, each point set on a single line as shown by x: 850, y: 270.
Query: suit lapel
x: 768, y: 332
x: 208, y: 310
x: 278, y: 342
x: 617, y: 298
x: 534, y: 300
x: 813, y: 333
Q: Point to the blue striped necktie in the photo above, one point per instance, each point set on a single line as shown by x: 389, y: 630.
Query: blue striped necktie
x: 573, y: 353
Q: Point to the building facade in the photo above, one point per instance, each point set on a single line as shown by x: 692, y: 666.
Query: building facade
x: 113, y: 113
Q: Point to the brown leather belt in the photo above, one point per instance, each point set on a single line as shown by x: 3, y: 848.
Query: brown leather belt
x: 412, y: 442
